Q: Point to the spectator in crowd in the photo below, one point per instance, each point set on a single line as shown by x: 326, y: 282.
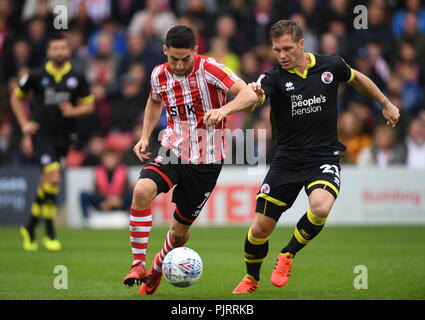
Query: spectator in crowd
x: 201, y: 40
x: 249, y: 67
x: 399, y: 17
x: 128, y: 107
x: 153, y: 21
x: 377, y: 61
x: 98, y: 10
x: 361, y: 110
x: 122, y: 11
x: 329, y: 44
x: 411, y: 34
x: 226, y: 28
x: 118, y: 39
x: 219, y: 50
x: 377, y: 29
x: 19, y: 58
x: 138, y: 52
x: 412, y: 73
x: 313, y: 14
x: 42, y: 9
x: 94, y: 150
x: 82, y: 21
x: 202, y: 12
x: 381, y: 153
x: 351, y: 135
x: 129, y: 157
x: 103, y: 67
x: 37, y: 36
x: 112, y: 191
x: 259, y: 22
x: 311, y: 41
x: 414, y: 145
x: 79, y: 50
x: 103, y: 105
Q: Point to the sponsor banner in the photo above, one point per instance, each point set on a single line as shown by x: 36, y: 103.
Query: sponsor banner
x: 18, y: 187
x: 17, y: 191
x: 367, y: 197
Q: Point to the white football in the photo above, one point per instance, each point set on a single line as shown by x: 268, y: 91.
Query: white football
x: 182, y: 267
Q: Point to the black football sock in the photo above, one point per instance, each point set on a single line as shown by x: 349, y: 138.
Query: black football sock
x: 308, y: 227
x: 255, y: 251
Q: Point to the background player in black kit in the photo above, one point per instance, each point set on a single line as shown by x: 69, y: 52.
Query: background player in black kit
x: 303, y: 90
x: 59, y: 95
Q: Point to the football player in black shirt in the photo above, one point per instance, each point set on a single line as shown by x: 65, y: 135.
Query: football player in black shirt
x: 302, y: 88
x: 58, y: 94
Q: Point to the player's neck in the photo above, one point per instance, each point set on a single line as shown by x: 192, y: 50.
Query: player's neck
x: 305, y: 61
x: 58, y: 66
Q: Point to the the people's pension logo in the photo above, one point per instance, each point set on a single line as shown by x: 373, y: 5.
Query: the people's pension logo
x: 302, y: 106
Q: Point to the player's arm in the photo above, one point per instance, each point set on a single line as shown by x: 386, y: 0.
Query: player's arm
x: 367, y: 87
x: 151, y: 118
x: 17, y: 98
x: 84, y: 107
x: 244, y: 100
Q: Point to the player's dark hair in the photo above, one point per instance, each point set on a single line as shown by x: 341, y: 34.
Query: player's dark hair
x: 283, y: 27
x: 180, y: 37
x: 57, y: 36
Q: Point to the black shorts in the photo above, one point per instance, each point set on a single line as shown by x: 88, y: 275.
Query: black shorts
x: 194, y: 184
x: 281, y: 186
x: 50, y: 149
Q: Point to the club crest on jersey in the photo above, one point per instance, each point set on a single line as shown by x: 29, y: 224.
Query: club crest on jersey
x: 289, y: 86
x: 192, y: 82
x: 265, y: 188
x: 45, y: 82
x: 327, y: 77
x: 72, y: 83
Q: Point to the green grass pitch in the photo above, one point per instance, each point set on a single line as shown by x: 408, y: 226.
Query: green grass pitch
x: 97, y: 261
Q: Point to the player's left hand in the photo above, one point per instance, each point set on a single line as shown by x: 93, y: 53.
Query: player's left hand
x: 68, y: 111
x: 214, y: 116
x: 391, y: 113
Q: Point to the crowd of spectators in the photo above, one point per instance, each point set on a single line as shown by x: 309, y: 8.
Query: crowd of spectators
x: 117, y: 43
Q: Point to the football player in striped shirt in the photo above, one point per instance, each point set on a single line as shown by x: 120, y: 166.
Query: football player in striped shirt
x: 188, y: 86
x: 303, y: 97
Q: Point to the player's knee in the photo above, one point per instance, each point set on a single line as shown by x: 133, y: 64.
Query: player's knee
x: 52, y: 177
x: 261, y: 230
x: 320, y: 209
x: 143, y: 194
x: 178, y: 235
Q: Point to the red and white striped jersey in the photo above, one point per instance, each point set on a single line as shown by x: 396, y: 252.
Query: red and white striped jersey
x: 187, y: 99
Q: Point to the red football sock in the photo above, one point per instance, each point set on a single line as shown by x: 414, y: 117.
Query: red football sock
x: 168, y: 246
x: 140, y: 227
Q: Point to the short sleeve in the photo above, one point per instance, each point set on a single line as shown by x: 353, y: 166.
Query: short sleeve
x: 219, y: 74
x: 155, y: 86
x: 344, y: 72
x: 267, y: 83
x: 25, y: 84
x: 84, y: 91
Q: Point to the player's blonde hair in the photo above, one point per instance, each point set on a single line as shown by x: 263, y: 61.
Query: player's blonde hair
x: 283, y: 27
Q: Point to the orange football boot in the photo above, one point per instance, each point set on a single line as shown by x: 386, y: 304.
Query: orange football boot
x: 137, y: 275
x: 247, y: 285
x: 153, y: 281
x: 282, y: 269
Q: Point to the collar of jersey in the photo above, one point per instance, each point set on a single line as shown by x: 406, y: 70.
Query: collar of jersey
x: 58, y: 73
x: 310, y: 65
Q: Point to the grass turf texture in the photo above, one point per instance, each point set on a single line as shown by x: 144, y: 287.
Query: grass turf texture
x: 98, y: 260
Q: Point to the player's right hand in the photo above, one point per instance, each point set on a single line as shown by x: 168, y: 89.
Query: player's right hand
x: 140, y: 150
x: 30, y: 128
x: 256, y: 87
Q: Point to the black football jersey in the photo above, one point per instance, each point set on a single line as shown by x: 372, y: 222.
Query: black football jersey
x: 50, y: 88
x: 304, y: 106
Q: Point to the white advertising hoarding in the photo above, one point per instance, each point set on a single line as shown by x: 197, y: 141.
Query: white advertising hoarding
x: 367, y: 197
